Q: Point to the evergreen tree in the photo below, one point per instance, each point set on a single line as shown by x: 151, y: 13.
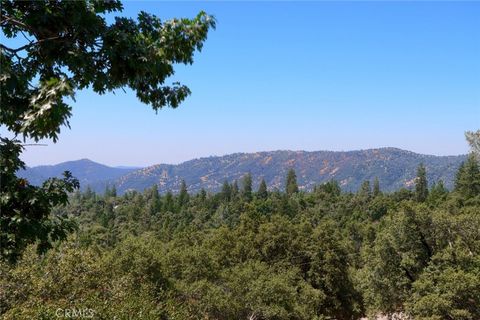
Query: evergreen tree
x: 467, y: 180
x: 437, y: 193
x: 421, y: 184
x: 331, y: 188
x: 110, y: 192
x: 291, y: 186
x: 89, y: 193
x: 376, y: 187
x: 113, y: 191
x: 226, y: 193
x: 183, y: 196
x: 365, y: 190
x: 235, y: 189
x: 106, y: 193
x: 168, y: 202
x: 262, y: 192
x: 247, y: 187
x: 156, y: 204
x: 203, y: 195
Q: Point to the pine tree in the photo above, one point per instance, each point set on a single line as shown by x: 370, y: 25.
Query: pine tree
x: 113, y: 191
x: 437, y: 193
x: 156, y: 204
x: 234, y: 190
x: 376, y: 187
x: 262, y: 192
x: 168, y: 202
x: 203, y: 195
x: 89, y: 193
x: 110, y: 192
x: 247, y: 187
x: 365, y: 189
x: 467, y: 180
x: 107, y: 191
x: 421, y: 184
x: 291, y: 186
x: 226, y: 193
x: 183, y: 196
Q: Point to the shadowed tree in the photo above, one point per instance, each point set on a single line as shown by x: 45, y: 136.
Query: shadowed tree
x: 183, y: 196
x: 376, y: 187
x: 235, y: 190
x: 226, y: 192
x: 291, y: 186
x: 247, y: 187
x: 155, y: 202
x: 168, y: 202
x: 262, y: 192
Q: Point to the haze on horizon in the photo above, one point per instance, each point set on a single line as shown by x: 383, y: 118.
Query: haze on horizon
x: 299, y: 76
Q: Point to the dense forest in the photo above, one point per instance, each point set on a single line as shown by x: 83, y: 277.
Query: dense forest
x: 260, y: 254
x: 241, y: 253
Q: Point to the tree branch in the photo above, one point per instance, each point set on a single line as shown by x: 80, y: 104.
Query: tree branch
x: 11, y: 51
x: 7, y: 48
x: 35, y: 43
x: 10, y: 20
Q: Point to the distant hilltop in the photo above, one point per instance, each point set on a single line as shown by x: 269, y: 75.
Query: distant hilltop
x: 395, y: 168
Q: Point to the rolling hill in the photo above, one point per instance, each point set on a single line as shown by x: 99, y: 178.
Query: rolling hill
x: 88, y: 172
x: 395, y: 168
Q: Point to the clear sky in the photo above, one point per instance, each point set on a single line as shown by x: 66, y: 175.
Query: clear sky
x: 298, y: 76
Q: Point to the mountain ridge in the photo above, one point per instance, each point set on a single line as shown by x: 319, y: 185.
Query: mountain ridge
x: 395, y: 168
x: 88, y: 172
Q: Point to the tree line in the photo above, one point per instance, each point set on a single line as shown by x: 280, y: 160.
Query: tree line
x: 239, y: 253
x: 260, y: 254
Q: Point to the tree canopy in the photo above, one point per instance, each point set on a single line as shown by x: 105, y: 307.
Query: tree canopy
x: 325, y: 254
x: 69, y: 46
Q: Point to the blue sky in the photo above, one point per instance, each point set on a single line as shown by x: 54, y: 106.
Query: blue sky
x: 299, y: 76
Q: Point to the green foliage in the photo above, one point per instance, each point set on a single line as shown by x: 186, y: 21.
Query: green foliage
x: 247, y: 187
x: 226, y: 193
x: 397, y: 256
x: 467, y: 182
x: 235, y: 190
x: 25, y: 209
x: 139, y: 54
x: 291, y: 185
x: 59, y: 57
x: 183, y: 196
x: 262, y: 192
x: 365, y: 191
x: 438, y: 193
x: 110, y: 191
x: 319, y: 255
x: 421, y: 184
x: 324, y: 254
x: 376, y: 187
x: 449, y: 288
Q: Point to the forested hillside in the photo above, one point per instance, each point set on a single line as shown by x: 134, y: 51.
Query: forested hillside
x: 393, y: 167
x: 244, y: 253
x: 264, y: 236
